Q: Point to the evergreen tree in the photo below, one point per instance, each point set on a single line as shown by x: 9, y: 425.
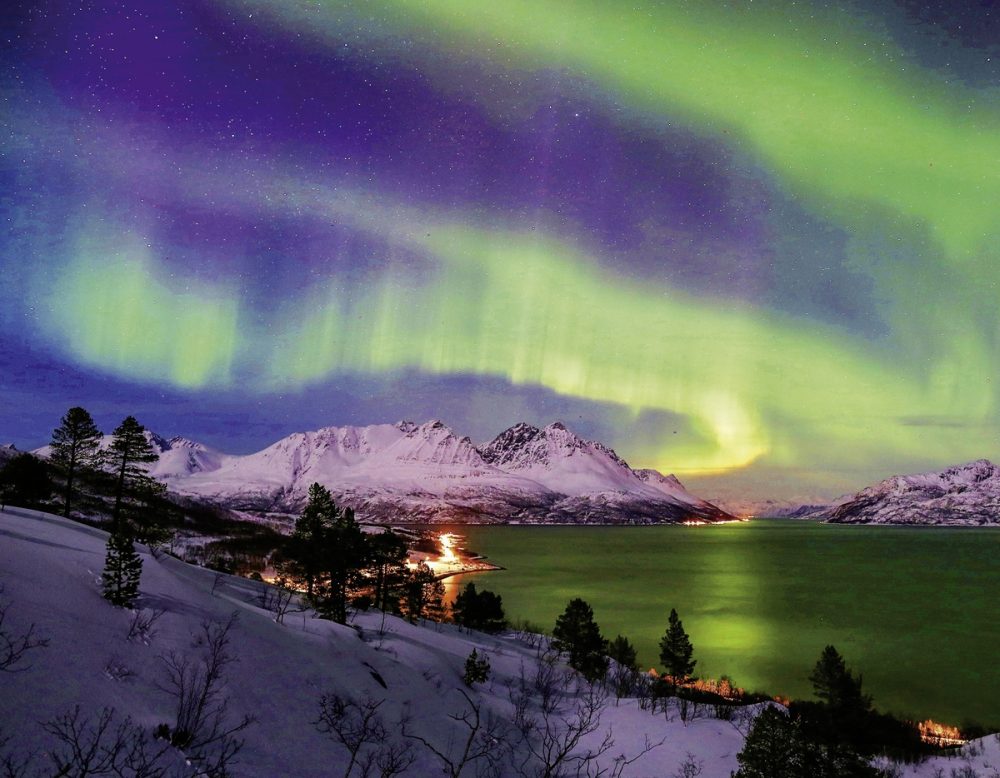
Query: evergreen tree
x: 836, y: 686
x: 777, y: 747
x: 623, y: 652
x: 479, y: 610
x: 424, y: 596
x: 75, y: 449
x: 344, y: 555
x: 577, y: 634
x: 625, y: 671
x: 386, y: 564
x: 122, y: 570
x: 676, y: 651
x: 305, y: 549
x: 845, y: 713
x: 24, y: 480
x: 477, y: 669
x: 129, y: 450
x: 327, y: 552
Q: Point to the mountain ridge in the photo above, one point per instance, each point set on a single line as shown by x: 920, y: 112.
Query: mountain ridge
x: 410, y: 472
x: 961, y: 495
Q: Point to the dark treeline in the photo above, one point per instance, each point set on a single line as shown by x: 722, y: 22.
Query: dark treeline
x: 338, y: 566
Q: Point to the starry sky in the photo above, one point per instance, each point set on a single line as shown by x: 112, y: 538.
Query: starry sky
x: 752, y: 243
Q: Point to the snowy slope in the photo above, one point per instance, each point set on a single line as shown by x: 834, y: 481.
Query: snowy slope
x: 966, y: 495
x: 425, y: 472
x: 50, y: 572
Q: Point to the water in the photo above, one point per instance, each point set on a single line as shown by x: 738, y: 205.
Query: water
x: 914, y: 610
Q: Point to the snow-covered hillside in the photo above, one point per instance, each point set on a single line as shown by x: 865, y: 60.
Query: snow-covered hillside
x: 966, y: 495
x: 425, y: 472
x: 50, y: 574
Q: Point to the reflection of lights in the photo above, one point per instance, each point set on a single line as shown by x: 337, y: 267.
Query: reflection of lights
x: 448, y: 555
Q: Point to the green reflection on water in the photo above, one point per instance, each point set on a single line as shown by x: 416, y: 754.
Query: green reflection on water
x: 914, y: 610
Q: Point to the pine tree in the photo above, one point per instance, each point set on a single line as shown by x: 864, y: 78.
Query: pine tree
x: 477, y: 669
x: 424, y: 595
x: 305, y: 547
x: 122, y: 570
x: 778, y: 747
x: 577, y: 634
x: 836, y: 686
x: 479, y: 610
x: 129, y: 450
x: 75, y: 449
x: 623, y: 652
x: 676, y: 651
x: 387, y: 553
x: 625, y: 672
x: 344, y: 556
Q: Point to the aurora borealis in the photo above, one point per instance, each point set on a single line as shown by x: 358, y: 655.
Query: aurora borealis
x: 752, y: 243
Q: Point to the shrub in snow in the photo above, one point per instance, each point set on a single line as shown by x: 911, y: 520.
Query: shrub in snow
x: 13, y: 646
x: 359, y: 728
x: 202, y: 725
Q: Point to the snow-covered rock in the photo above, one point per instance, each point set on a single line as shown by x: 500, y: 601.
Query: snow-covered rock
x: 966, y: 495
x: 427, y: 473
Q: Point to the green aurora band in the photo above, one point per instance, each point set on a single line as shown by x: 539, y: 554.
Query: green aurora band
x: 906, y: 163
x: 523, y: 306
x: 823, y: 107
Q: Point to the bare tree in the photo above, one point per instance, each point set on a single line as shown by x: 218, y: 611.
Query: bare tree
x: 691, y: 767
x: 13, y: 647
x: 359, y: 728
x: 554, y: 726
x: 390, y: 759
x: 143, y: 625
x: 279, y: 598
x: 547, y: 682
x: 551, y: 740
x: 202, y: 725
x: 484, y: 748
x: 13, y: 765
x: 89, y: 747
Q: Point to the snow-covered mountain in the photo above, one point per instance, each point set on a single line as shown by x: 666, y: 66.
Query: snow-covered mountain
x: 179, y: 457
x: 966, y: 495
x: 425, y: 472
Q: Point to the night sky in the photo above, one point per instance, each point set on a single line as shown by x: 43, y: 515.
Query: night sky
x: 752, y: 243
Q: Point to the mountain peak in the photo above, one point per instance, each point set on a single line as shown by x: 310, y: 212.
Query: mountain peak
x: 409, y: 470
